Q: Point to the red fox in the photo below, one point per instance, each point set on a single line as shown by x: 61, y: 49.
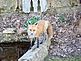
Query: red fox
x: 41, y: 27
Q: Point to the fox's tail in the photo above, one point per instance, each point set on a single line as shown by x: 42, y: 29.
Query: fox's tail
x: 50, y: 30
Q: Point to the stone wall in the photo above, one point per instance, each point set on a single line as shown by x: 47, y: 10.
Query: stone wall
x: 36, y: 54
x: 11, y: 5
x: 7, y: 5
x: 62, y: 3
x: 62, y: 6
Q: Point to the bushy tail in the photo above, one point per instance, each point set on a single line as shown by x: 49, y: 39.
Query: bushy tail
x: 50, y: 31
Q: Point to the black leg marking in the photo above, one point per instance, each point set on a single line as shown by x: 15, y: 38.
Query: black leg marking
x: 37, y: 43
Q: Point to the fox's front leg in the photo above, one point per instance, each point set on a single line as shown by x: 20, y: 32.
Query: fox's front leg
x: 31, y: 39
x: 37, y: 39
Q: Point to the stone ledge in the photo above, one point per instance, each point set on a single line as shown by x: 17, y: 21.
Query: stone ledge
x: 36, y: 54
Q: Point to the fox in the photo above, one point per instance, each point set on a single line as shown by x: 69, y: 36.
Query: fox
x: 35, y: 30
x: 42, y: 26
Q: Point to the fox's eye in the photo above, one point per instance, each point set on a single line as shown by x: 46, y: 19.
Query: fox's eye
x: 34, y: 30
x: 30, y: 30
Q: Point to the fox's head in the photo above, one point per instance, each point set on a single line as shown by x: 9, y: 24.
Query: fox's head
x: 32, y: 29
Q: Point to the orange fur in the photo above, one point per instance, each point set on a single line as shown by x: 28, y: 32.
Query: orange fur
x: 42, y: 26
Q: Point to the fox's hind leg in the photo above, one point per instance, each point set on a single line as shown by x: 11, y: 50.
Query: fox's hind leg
x: 50, y: 31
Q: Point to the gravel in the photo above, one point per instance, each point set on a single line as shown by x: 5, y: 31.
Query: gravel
x: 65, y: 42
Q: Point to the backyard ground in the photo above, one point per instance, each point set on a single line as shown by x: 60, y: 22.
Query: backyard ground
x: 63, y: 59
x: 65, y: 42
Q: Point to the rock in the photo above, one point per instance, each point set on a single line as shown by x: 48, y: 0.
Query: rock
x: 8, y: 5
x: 9, y: 30
x: 34, y: 54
